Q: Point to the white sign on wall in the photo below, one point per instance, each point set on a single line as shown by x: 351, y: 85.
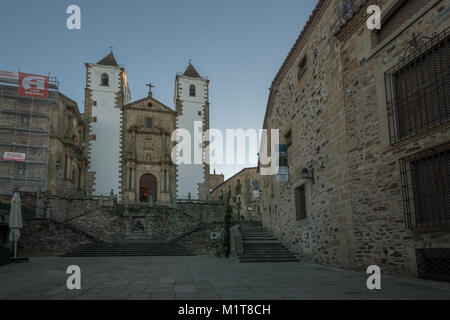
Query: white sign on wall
x: 14, y: 156
x: 216, y: 235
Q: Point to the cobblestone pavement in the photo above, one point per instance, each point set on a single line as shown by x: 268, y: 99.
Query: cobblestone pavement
x: 200, y: 277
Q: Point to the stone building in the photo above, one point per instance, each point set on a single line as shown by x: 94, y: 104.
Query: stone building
x: 130, y: 143
x: 244, y: 190
x: 67, y: 164
x: 149, y: 170
x: 48, y: 133
x: 216, y: 179
x: 368, y: 164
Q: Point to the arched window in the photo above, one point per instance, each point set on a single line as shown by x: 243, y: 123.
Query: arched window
x: 105, y: 80
x: 192, y: 90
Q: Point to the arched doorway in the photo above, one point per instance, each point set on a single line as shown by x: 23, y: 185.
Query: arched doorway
x: 148, y: 187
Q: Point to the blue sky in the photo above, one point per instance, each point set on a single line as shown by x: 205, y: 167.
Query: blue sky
x: 238, y: 44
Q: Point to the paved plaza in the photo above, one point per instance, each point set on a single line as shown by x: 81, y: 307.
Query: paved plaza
x: 200, y: 277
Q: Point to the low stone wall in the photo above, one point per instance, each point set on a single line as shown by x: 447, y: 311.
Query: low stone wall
x: 61, y: 224
x: 236, y: 244
x: 105, y: 224
x: 205, y: 212
x: 48, y: 238
x: 200, y: 241
x: 64, y: 208
x: 157, y: 223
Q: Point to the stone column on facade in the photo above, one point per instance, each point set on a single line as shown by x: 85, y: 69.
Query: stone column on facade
x: 69, y: 165
x: 128, y: 178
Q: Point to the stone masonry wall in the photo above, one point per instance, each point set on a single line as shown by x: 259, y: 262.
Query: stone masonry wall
x: 48, y: 238
x: 337, y: 115
x: 312, y: 109
x: 378, y: 218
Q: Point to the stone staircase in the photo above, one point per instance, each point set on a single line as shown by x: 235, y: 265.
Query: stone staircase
x: 129, y: 249
x: 262, y: 246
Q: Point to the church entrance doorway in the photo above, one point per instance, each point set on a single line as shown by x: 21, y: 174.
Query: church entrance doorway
x: 148, y: 187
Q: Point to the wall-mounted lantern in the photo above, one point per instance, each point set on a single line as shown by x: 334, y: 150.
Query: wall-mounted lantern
x: 305, y: 174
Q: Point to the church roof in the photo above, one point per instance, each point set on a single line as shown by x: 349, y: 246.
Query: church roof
x: 109, y: 60
x: 143, y: 103
x: 191, y: 72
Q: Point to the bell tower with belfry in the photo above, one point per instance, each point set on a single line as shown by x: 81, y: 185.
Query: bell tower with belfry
x: 105, y: 94
x: 192, y: 107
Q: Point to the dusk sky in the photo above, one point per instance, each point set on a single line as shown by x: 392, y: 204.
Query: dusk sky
x: 238, y: 45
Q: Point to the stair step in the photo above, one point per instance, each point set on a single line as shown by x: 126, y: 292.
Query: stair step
x: 261, y: 245
x: 129, y: 249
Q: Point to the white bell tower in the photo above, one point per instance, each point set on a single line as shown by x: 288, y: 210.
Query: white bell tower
x: 192, y: 106
x: 106, y: 92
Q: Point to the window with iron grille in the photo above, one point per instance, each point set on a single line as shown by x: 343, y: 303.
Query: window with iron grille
x: 405, y: 11
x: 300, y: 203
x: 418, y: 88
x: 426, y: 189
x: 433, y: 264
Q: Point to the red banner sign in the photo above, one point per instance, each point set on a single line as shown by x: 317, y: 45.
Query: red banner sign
x: 31, y: 85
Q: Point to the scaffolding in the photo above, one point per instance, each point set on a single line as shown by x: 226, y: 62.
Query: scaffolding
x: 25, y: 124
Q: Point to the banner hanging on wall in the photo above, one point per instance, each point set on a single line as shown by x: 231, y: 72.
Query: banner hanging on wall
x: 32, y: 85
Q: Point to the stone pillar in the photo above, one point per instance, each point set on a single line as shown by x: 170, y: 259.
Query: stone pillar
x: 128, y: 179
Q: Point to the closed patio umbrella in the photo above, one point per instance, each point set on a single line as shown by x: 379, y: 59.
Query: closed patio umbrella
x: 15, y: 221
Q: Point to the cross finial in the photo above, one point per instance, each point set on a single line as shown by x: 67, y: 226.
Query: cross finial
x: 150, y: 86
x: 190, y: 61
x: 111, y: 48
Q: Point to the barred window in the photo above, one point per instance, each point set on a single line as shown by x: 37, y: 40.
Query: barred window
x: 426, y: 188
x: 418, y: 89
x: 406, y: 10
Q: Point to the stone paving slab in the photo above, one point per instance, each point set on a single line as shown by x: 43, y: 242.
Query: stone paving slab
x: 200, y: 277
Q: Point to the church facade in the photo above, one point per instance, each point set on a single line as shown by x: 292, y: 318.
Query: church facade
x: 130, y: 143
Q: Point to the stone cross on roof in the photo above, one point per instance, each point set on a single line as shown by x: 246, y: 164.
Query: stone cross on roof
x: 150, y: 86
